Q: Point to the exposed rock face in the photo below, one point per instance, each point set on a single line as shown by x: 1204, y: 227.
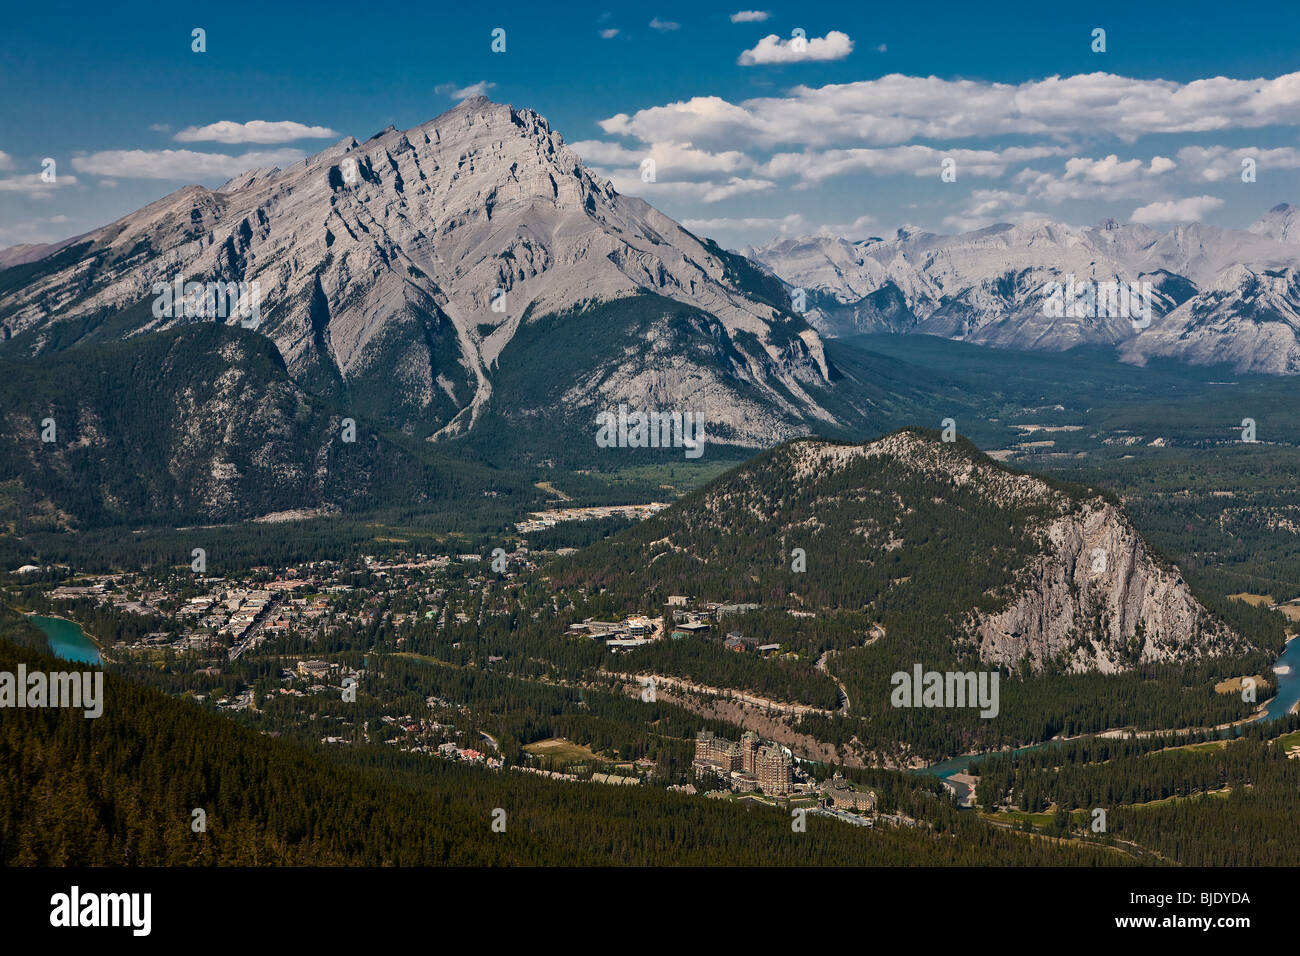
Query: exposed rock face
x: 397, y: 272
x: 1220, y: 295
x: 1096, y: 599
x: 1282, y: 223
x: 1246, y: 319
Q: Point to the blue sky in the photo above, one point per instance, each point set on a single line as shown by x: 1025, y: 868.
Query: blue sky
x: 751, y: 137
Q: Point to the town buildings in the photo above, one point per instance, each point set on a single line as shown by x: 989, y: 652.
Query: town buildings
x: 838, y: 793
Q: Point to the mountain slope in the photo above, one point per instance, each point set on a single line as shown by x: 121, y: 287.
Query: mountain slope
x: 396, y: 274
x: 120, y: 790
x: 1028, y: 574
x: 201, y: 423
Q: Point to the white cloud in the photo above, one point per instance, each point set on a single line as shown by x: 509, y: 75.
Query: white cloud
x: 772, y: 49
x: 1105, y: 171
x: 664, y: 26
x: 1113, y: 170
x: 986, y: 207
x: 1215, y: 163
x: 254, y: 131
x: 32, y: 186
x: 736, y: 186
x: 464, y: 92
x: 921, y: 161
x: 672, y: 160
x: 6, y: 161
x: 181, y: 164
x: 1108, y: 179
x: 750, y: 16
x: 609, y: 34
x: 1191, y: 209
x: 628, y: 182
x: 896, y: 108
x: 786, y: 225
x: 597, y: 153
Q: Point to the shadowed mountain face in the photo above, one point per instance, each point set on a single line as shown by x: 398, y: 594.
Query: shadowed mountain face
x: 201, y: 423
x: 1216, y: 295
x: 396, y: 276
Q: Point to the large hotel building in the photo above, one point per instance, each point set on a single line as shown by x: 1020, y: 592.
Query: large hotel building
x: 747, y: 765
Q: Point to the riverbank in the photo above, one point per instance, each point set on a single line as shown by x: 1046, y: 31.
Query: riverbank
x: 1283, y: 702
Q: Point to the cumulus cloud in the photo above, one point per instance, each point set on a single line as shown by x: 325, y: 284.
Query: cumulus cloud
x: 750, y: 16
x: 609, y: 34
x: 1108, y: 170
x: 985, y: 207
x: 6, y: 161
x: 1215, y: 163
x: 1085, y: 178
x: 672, y: 160
x: 920, y: 161
x: 785, y: 225
x: 464, y: 92
x: 1190, y: 209
x: 254, y: 131
x: 663, y: 26
x: 896, y: 108
x: 772, y: 49
x: 629, y: 183
x: 182, y: 164
x: 33, y: 187
x: 597, y: 153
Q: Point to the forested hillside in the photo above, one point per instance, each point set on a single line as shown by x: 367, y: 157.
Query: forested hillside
x: 120, y: 790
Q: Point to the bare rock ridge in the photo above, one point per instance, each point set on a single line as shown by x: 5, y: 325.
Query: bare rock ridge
x: 1220, y: 295
x: 398, y: 271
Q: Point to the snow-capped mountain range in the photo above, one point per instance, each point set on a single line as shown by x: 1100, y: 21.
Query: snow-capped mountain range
x: 1218, y: 295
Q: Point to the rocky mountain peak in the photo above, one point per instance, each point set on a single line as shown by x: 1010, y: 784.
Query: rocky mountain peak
x: 403, y: 268
x: 1282, y: 223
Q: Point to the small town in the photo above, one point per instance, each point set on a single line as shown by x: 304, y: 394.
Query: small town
x: 215, y: 626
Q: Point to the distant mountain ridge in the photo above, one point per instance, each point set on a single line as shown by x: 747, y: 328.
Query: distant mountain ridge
x: 1220, y: 295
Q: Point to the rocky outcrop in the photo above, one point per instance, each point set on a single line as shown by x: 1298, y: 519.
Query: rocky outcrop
x: 1096, y: 599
